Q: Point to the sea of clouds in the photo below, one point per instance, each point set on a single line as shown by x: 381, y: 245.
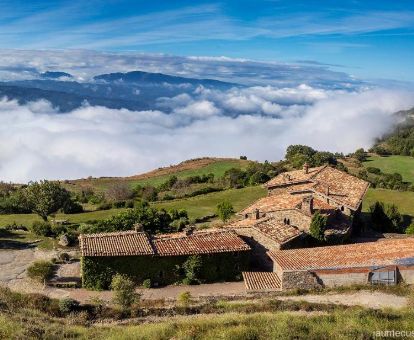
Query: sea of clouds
x: 37, y: 142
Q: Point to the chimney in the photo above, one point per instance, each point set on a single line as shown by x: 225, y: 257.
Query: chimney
x: 306, y: 168
x: 138, y: 227
x: 256, y: 214
x: 189, y: 230
x: 307, y: 205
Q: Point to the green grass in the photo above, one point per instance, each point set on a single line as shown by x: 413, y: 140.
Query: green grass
x: 404, y: 165
x: 204, y: 205
x: 218, y: 168
x: 404, y: 200
x: 354, y: 323
x: 17, y: 239
x: 198, y: 206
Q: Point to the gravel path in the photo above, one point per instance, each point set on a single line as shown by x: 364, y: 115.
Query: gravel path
x: 362, y: 298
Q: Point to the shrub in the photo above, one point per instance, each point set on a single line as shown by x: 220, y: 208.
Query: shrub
x: 64, y: 257
x: 119, y: 204
x: 410, y: 229
x: 224, y: 210
x: 41, y: 228
x: 374, y: 170
x: 40, y: 271
x: 147, y: 283
x: 124, y: 291
x: 184, y: 299
x: 67, y: 305
x: 192, y: 267
x: 72, y: 207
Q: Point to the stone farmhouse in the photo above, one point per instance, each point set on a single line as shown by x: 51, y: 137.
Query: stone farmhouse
x: 387, y: 261
x: 160, y: 258
x: 282, y: 219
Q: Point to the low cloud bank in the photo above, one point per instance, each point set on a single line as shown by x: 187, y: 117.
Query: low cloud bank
x: 259, y: 122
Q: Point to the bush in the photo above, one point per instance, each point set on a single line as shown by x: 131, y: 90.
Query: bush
x: 124, y: 291
x: 67, y: 305
x: 225, y: 210
x: 410, y: 229
x: 318, y: 226
x: 72, y: 207
x: 64, y: 257
x: 147, y: 283
x: 41, y: 228
x: 192, y: 267
x: 119, y: 204
x: 184, y: 299
x: 40, y: 271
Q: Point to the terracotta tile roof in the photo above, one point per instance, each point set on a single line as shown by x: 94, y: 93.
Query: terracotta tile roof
x: 284, y: 201
x: 115, y: 244
x: 379, y: 253
x: 295, y: 176
x: 128, y: 243
x: 244, y: 223
x: 343, y: 187
x: 273, y: 203
x: 200, y: 243
x: 261, y: 281
x: 281, y: 233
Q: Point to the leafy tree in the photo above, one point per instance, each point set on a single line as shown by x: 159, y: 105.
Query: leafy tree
x: 323, y: 157
x: 225, y: 210
x: 235, y: 178
x: 360, y: 155
x: 124, y: 291
x: 45, y: 197
x: 379, y: 218
x: 318, y: 226
x: 293, y: 150
x: 192, y: 268
x: 394, y: 216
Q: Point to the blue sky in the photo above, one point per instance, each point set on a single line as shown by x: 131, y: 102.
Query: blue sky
x: 369, y: 39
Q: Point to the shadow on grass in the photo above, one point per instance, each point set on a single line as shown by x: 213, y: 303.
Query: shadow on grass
x: 15, y: 245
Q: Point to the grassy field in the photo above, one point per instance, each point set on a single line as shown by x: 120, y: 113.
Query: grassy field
x: 390, y: 164
x: 155, y: 178
x: 355, y: 323
x: 203, y: 205
x: 198, y: 206
x: 404, y: 200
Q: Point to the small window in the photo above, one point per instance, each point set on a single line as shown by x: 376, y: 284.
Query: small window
x: 284, y: 221
x: 288, y: 222
x: 342, y: 208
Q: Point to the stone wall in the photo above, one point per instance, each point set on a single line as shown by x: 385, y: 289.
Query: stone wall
x: 343, y: 279
x: 299, y: 280
x: 407, y: 274
x: 297, y: 219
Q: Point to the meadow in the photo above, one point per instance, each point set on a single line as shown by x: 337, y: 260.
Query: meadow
x: 403, y: 165
x: 404, y: 200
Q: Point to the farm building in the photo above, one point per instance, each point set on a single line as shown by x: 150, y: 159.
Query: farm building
x: 387, y: 261
x: 224, y: 255
x: 282, y: 219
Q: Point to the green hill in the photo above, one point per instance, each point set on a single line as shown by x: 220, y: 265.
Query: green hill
x: 403, y: 165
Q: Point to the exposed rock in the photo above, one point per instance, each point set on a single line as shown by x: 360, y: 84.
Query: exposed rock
x: 64, y: 241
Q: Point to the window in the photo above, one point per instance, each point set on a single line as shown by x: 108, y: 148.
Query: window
x: 284, y: 221
x: 342, y: 208
x: 288, y: 222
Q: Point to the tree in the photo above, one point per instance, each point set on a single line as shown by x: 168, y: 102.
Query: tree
x: 360, y: 155
x: 225, y: 210
x: 124, y: 291
x: 45, y: 197
x: 318, y: 226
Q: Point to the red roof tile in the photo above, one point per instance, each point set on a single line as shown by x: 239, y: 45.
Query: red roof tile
x: 379, y: 253
x: 281, y: 233
x: 200, y: 243
x: 115, y: 244
x: 261, y: 281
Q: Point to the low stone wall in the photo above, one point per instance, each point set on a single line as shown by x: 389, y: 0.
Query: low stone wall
x: 300, y: 280
x: 406, y: 274
x: 343, y: 279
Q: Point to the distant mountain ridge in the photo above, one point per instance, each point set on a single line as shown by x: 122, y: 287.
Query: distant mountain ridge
x: 134, y: 91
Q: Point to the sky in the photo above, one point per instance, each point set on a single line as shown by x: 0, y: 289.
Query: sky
x: 328, y: 74
x: 367, y: 39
